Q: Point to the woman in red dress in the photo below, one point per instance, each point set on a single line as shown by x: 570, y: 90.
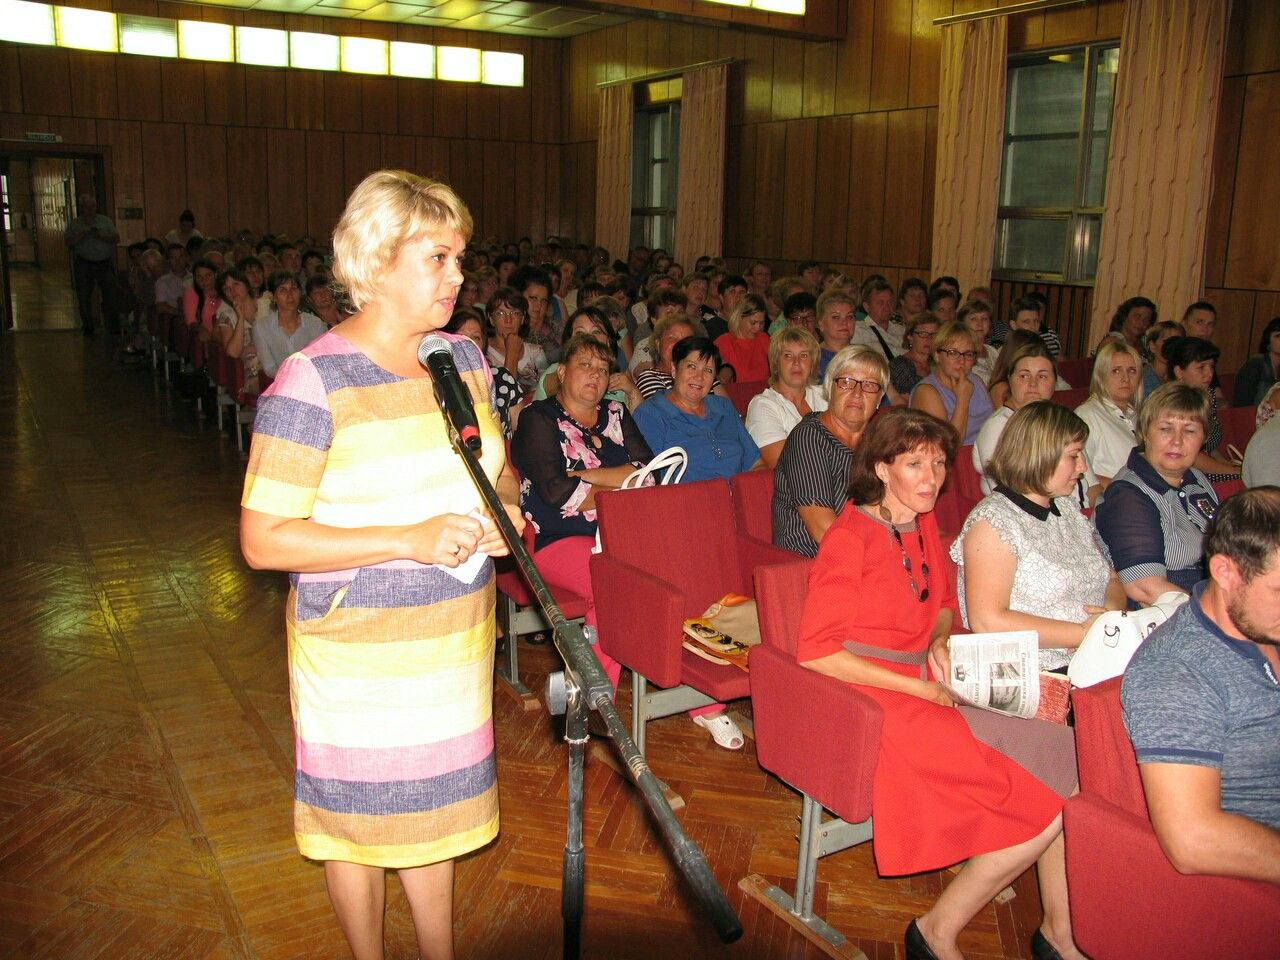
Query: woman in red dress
x: 881, y: 603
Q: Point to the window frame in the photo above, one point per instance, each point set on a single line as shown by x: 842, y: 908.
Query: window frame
x: 1078, y: 217
x: 671, y: 109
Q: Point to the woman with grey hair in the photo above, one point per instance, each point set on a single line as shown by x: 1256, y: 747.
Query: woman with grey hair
x: 811, y: 481
x: 354, y: 487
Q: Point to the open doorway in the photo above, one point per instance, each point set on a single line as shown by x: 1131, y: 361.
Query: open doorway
x: 38, y: 196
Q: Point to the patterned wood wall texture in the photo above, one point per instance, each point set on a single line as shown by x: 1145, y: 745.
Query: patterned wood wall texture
x: 278, y: 149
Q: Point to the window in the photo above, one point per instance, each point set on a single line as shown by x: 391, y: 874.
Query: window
x: 1057, y: 130
x: 4, y: 202
x: 655, y: 153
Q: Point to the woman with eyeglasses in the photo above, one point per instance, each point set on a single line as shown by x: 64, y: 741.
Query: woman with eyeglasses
x: 949, y: 786
x: 746, y: 346
x: 509, y: 347
x: 912, y: 365
x: 811, y: 481
x: 952, y: 392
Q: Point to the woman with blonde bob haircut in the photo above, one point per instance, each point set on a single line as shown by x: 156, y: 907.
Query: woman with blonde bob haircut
x: 1115, y: 394
x: 354, y: 488
x: 792, y: 394
x: 746, y: 346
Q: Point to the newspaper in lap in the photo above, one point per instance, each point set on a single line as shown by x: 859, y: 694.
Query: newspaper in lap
x: 1000, y: 672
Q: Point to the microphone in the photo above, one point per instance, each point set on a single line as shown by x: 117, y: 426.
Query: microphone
x: 436, y: 355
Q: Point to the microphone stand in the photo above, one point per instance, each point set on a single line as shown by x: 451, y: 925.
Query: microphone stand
x: 581, y: 687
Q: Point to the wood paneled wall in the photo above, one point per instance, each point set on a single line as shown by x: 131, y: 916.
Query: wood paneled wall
x: 279, y: 150
x: 1242, y: 262
x: 831, y: 144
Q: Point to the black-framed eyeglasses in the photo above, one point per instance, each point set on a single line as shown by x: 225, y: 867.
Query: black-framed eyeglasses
x: 959, y: 354
x: 853, y: 383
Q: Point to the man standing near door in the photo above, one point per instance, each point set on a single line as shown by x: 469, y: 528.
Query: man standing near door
x: 92, y: 238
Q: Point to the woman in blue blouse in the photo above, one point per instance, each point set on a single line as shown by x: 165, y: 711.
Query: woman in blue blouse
x: 690, y: 416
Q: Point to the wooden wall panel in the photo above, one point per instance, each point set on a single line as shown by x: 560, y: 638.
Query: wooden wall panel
x: 265, y: 95
x: 247, y: 156
x: 770, y: 176
x: 224, y: 93
x: 47, y: 85
x: 830, y: 214
x: 10, y: 79
x: 891, y: 59
x: 866, y: 177
x: 819, y: 79
x: 164, y: 165
x: 324, y: 173
x: 182, y: 91
x: 93, y: 84
x: 757, y: 105
x: 287, y: 181
x: 1234, y: 333
x: 139, y: 93
x: 305, y: 100
x: 207, y: 180
x: 1226, y: 150
x: 361, y: 155
x: 343, y: 103
x: 398, y: 153
x: 799, y: 186
x: 1253, y: 256
x: 904, y: 187
x: 788, y: 79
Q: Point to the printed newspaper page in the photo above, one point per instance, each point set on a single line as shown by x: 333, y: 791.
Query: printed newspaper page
x: 999, y: 672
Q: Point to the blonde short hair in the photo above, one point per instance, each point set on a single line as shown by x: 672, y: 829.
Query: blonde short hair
x: 800, y: 337
x: 955, y: 330
x: 1097, y: 383
x: 750, y: 303
x: 388, y: 209
x: 1031, y: 445
x: 1173, y: 399
x: 856, y: 355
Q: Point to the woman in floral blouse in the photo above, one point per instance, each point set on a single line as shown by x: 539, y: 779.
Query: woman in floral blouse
x: 565, y: 448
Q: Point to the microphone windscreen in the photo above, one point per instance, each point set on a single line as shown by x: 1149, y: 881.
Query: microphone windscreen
x: 433, y: 343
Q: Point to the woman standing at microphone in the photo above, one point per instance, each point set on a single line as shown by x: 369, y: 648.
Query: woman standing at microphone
x: 354, y: 489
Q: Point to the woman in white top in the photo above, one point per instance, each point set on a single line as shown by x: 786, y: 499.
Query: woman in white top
x: 1111, y: 411
x: 976, y: 315
x: 508, y: 348
x: 1032, y: 376
x: 1040, y: 564
x: 792, y: 392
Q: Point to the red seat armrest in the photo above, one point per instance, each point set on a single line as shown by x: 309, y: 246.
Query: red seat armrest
x: 640, y: 618
x: 816, y: 733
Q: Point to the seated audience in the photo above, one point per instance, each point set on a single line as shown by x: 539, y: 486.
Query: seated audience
x: 913, y: 298
x: 913, y: 364
x: 943, y: 303
x: 998, y: 389
x: 1200, y: 319
x: 779, y: 291
x: 200, y: 300
x: 535, y: 286
x: 696, y: 287
x: 591, y: 321
x: 801, y: 310
x: 1115, y: 392
x: 1262, y: 456
x: 1027, y: 313
x: 286, y: 329
x: 658, y: 378
x: 509, y: 347
x: 976, y: 315
x: 1192, y: 361
x: 1200, y: 705
x: 1153, y: 515
x: 835, y: 325
x: 1026, y: 556
x: 878, y: 329
x: 746, y: 346
x: 688, y: 415
x: 662, y: 303
x: 730, y: 291
x: 237, y: 314
x: 1130, y: 322
x: 879, y: 604
x: 1031, y: 378
x: 1259, y: 373
x: 322, y: 302
x: 951, y: 392
x: 507, y: 392
x: 811, y: 481
x: 792, y: 394
x: 1156, y: 370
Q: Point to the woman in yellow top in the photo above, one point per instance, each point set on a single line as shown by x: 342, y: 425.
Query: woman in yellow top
x: 354, y: 488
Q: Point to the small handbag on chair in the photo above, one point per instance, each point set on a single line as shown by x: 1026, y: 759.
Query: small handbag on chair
x: 665, y: 468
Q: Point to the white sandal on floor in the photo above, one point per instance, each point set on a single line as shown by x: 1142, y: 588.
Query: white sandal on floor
x: 723, y: 731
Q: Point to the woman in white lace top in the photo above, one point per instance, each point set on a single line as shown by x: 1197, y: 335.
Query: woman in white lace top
x: 1027, y: 558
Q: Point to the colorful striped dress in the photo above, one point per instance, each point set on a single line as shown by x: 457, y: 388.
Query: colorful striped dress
x: 390, y: 665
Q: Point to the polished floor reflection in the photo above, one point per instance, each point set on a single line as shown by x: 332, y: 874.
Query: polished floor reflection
x: 146, y: 750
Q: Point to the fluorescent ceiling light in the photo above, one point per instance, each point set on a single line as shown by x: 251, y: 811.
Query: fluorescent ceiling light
x: 313, y: 51
x: 413, y: 60
x: 23, y: 22
x: 781, y: 6
x: 458, y: 63
x: 86, y: 29
x: 733, y: 3
x: 201, y: 40
x: 502, y: 69
x: 364, y: 55
x: 148, y: 36
x: 262, y: 47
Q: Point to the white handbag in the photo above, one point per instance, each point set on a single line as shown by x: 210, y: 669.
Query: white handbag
x: 666, y: 468
x: 1115, y: 637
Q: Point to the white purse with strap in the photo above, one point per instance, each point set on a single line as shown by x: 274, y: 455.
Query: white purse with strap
x: 1115, y: 637
x: 666, y: 468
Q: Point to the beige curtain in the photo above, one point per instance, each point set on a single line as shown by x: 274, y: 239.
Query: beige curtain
x: 970, y: 147
x: 700, y: 200
x: 1160, y: 162
x: 613, y: 170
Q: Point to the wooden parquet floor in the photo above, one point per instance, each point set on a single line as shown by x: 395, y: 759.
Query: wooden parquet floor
x: 146, y: 749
